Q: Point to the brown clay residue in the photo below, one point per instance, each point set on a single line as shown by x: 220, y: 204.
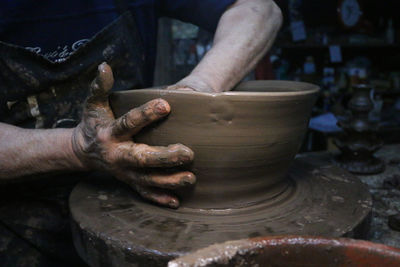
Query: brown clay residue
x: 23, y: 73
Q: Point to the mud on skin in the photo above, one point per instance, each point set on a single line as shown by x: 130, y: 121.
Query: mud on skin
x: 103, y: 142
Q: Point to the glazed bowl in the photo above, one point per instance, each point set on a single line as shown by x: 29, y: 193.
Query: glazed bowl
x: 293, y: 251
x: 244, y: 140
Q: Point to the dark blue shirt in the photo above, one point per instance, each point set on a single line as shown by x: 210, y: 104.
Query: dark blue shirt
x: 55, y: 29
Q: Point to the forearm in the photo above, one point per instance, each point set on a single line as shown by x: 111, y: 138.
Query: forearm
x: 26, y: 151
x: 246, y: 31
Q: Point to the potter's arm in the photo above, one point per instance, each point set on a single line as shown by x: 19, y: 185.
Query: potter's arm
x: 244, y: 34
x: 100, y: 142
x: 25, y: 151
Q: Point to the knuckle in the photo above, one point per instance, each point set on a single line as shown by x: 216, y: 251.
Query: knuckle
x: 94, y: 87
x: 103, y: 135
x: 111, y: 157
x: 140, y: 159
x: 124, y: 123
x: 145, y: 113
x: 108, y: 159
x: 130, y: 120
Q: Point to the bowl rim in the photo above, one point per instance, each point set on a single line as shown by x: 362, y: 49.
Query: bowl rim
x: 305, y: 89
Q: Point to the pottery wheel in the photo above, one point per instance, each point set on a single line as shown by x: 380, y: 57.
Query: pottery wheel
x: 113, y: 227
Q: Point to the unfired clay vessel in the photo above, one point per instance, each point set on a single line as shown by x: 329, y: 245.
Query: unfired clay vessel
x: 244, y: 140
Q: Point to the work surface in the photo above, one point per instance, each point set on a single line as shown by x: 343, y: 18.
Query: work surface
x: 385, y: 196
x: 113, y: 227
x: 109, y: 228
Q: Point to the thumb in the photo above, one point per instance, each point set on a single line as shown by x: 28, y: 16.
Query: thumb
x: 101, y: 85
x: 99, y: 92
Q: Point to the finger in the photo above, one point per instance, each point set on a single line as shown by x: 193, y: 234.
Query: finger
x: 96, y: 106
x: 158, y: 196
x: 101, y: 85
x: 133, y: 121
x: 185, y: 89
x: 157, y: 179
x: 144, y: 156
x: 179, y: 87
x: 169, y: 181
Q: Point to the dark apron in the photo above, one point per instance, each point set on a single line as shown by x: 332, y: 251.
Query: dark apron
x: 38, y: 93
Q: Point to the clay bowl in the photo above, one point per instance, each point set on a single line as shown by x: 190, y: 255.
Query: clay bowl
x: 243, y: 140
x: 293, y: 251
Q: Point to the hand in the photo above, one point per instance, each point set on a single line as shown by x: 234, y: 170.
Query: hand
x: 102, y: 142
x: 192, y: 83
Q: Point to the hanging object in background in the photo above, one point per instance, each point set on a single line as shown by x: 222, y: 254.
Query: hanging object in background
x: 309, y: 66
x: 359, y: 141
x: 357, y: 75
x: 350, y: 13
x: 184, y: 37
x: 309, y: 71
x: 335, y: 53
x: 298, y: 31
x: 390, y: 32
x: 297, y: 26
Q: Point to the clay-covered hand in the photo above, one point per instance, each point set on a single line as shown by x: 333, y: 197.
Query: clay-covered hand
x: 103, y: 142
x: 193, y: 84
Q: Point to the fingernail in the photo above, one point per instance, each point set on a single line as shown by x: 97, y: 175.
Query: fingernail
x: 173, y: 203
x: 101, y: 68
x: 189, y: 179
x: 102, y: 65
x: 188, y: 155
x: 185, y: 154
x: 162, y: 107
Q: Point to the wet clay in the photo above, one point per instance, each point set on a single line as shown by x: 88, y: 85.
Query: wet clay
x: 112, y: 226
x: 292, y: 251
x: 244, y: 144
x: 243, y: 141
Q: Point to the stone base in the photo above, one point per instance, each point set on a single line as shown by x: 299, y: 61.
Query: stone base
x: 112, y: 226
x: 371, y: 165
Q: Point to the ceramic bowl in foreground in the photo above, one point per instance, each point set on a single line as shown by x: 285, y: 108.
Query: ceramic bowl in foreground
x: 296, y: 251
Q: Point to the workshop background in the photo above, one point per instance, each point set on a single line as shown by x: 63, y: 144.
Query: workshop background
x: 340, y: 45
x: 320, y: 43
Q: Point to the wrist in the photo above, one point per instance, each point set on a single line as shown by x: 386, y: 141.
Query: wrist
x: 197, y: 83
x: 71, y: 148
